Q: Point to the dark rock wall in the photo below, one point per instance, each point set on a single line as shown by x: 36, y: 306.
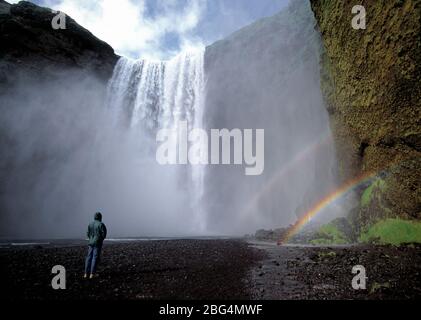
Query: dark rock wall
x: 371, y: 80
x: 29, y: 44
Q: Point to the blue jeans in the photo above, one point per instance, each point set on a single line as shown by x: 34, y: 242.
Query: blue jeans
x: 92, y: 258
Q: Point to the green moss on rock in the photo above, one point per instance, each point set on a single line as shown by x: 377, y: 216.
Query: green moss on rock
x: 377, y: 185
x: 335, y: 232
x: 370, y: 81
x: 393, y: 231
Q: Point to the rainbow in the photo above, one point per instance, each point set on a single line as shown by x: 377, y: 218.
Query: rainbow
x: 326, y: 201
x: 288, y: 167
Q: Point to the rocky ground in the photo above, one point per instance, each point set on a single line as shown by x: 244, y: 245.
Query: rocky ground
x: 322, y: 272
x: 182, y: 269
x: 213, y: 269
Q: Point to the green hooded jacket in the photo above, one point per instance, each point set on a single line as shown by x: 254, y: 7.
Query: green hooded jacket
x: 96, y: 231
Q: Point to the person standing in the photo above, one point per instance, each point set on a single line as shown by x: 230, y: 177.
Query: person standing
x: 97, y: 232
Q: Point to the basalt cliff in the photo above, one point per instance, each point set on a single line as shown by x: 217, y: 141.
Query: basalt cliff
x: 371, y: 82
x: 30, y: 45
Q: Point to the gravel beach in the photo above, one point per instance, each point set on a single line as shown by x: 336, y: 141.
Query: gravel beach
x: 212, y: 269
x: 160, y: 269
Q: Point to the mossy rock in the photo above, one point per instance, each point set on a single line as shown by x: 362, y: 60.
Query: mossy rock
x: 378, y: 186
x: 374, y: 204
x: 393, y: 231
x: 370, y: 81
x: 338, y: 231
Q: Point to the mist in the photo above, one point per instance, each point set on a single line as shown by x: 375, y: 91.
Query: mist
x: 65, y: 159
x: 267, y: 76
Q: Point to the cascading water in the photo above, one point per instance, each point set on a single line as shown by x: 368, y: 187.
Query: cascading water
x: 276, y: 89
x: 146, y: 96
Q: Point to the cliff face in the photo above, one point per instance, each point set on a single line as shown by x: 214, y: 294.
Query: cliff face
x: 30, y: 45
x: 371, y: 83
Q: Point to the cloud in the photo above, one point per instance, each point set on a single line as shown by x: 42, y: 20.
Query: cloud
x: 132, y: 30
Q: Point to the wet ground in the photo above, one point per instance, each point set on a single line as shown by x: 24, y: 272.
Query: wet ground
x: 322, y: 272
x: 212, y: 269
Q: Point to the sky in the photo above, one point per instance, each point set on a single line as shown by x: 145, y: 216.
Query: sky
x: 159, y: 29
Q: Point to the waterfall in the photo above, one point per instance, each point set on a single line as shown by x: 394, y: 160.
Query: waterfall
x: 146, y: 96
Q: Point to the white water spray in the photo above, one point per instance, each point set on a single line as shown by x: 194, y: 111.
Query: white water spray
x: 147, y: 96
